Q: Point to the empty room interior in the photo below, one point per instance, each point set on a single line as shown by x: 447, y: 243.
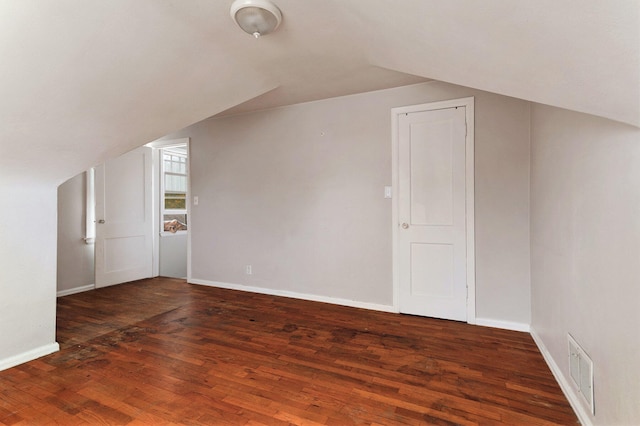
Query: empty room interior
x: 336, y: 212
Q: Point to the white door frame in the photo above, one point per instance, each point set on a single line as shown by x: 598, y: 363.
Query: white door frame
x: 468, y: 103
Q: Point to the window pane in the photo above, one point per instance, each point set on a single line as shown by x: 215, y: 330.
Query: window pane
x: 175, y: 201
x: 175, y: 222
x: 173, y: 183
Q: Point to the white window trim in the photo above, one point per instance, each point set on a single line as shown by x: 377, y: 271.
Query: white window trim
x: 90, y: 208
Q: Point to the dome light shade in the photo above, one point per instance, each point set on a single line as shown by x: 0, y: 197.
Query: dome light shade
x: 256, y: 17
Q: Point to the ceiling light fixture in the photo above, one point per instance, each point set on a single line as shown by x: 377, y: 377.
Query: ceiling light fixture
x: 256, y: 17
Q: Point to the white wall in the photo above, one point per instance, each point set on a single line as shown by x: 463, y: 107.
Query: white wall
x: 585, y: 227
x: 27, y: 271
x: 297, y: 192
x: 75, y: 257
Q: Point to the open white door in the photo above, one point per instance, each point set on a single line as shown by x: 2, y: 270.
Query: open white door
x: 124, y: 218
x: 431, y: 235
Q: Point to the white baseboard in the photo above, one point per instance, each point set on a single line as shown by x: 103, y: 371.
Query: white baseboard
x: 505, y: 325
x: 567, y: 389
x: 294, y: 295
x: 75, y: 290
x: 12, y: 361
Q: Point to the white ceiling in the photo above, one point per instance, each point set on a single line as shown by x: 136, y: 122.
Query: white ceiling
x: 84, y: 80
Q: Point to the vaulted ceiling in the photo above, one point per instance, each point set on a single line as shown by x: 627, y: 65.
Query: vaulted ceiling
x: 84, y: 80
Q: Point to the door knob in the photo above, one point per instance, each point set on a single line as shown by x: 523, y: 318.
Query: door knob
x: 101, y: 221
x: 405, y: 225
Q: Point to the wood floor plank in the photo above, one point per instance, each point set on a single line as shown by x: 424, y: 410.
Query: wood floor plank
x: 161, y: 351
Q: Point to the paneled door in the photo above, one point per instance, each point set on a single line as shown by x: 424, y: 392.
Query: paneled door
x: 124, y: 223
x: 431, y: 212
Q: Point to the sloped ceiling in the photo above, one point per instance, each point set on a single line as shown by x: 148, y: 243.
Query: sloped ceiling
x: 85, y: 80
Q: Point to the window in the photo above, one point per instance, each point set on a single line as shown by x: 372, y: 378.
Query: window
x: 174, y: 188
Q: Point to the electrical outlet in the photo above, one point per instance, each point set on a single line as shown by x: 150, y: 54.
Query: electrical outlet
x: 247, y: 270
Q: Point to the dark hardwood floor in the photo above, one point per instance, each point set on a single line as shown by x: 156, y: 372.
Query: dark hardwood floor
x: 161, y: 351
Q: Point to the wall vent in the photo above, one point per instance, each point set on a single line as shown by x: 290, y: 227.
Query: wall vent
x: 581, y: 368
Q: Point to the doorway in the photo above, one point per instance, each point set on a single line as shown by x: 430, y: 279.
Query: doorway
x: 158, y: 182
x: 77, y: 222
x: 433, y: 214
x: 172, y: 159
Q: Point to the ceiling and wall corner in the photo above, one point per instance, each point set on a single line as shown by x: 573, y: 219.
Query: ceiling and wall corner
x: 86, y: 81
x: 582, y: 56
